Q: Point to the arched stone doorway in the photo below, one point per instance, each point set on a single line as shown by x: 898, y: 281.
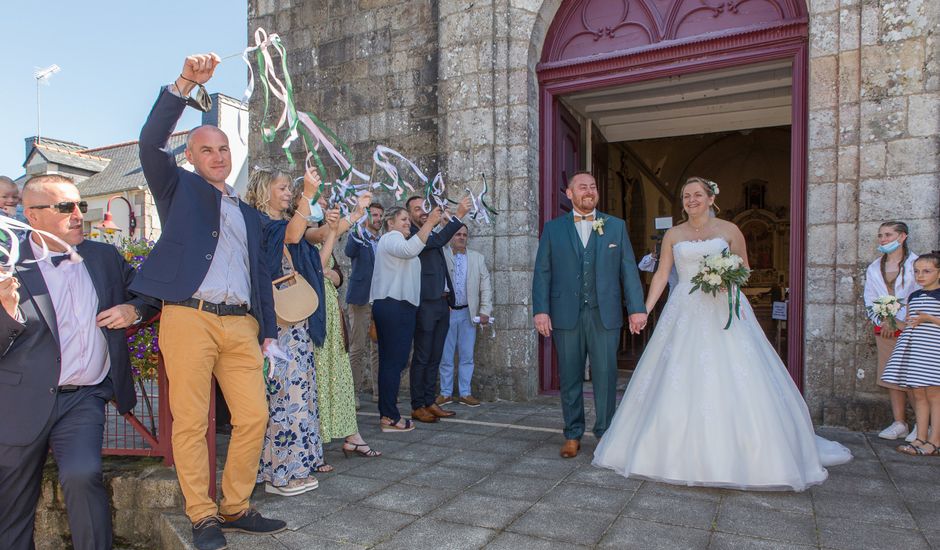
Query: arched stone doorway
x: 754, y: 46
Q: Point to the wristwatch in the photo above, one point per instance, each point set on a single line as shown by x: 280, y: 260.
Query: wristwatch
x: 138, y: 314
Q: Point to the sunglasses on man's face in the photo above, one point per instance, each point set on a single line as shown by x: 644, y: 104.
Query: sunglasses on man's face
x: 65, y: 207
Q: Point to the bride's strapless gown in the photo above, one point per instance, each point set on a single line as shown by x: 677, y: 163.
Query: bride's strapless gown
x: 714, y: 407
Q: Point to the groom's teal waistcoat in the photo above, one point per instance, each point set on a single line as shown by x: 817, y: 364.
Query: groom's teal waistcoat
x: 588, y: 297
x: 603, y: 274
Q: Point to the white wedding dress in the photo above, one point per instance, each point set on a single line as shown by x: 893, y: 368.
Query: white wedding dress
x: 714, y: 407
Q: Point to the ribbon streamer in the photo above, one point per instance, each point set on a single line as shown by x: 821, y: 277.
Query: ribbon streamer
x: 480, y: 211
x: 318, y: 138
x: 299, y: 124
x: 10, y: 245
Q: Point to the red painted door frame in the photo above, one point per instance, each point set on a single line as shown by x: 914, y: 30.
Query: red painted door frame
x: 783, y: 41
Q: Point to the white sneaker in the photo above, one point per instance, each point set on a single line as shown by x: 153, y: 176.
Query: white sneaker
x: 894, y: 431
x: 913, y: 435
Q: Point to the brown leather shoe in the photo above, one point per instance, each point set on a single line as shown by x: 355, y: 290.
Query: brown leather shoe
x: 469, y: 401
x: 570, y: 448
x: 422, y: 414
x: 439, y: 412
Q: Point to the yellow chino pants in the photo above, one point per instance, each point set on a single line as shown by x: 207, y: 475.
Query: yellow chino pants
x: 197, y: 345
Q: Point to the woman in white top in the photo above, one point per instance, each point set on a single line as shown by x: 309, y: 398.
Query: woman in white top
x: 891, y: 274
x: 395, y: 295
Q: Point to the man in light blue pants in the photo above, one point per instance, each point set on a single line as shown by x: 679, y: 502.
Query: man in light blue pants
x: 473, y: 299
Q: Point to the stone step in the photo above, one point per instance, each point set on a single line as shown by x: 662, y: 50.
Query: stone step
x: 141, y: 489
x: 174, y: 532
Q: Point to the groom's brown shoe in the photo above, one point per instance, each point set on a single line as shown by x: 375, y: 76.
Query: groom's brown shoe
x: 570, y: 448
x: 422, y: 414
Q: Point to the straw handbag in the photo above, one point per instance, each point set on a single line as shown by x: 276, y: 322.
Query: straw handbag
x: 295, y: 302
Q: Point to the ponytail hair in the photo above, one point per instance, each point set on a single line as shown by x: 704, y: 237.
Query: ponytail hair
x: 899, y: 227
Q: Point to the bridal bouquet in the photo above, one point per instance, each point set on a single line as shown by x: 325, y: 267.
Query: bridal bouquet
x: 723, y: 272
x: 885, y: 309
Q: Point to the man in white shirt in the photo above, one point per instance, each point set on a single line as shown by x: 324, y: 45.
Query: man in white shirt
x: 473, y: 304
x: 63, y: 357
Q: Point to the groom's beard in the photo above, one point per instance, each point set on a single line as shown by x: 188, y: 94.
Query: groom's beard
x: 585, y: 208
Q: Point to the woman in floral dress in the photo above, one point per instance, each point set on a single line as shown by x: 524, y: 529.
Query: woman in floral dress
x: 293, y: 446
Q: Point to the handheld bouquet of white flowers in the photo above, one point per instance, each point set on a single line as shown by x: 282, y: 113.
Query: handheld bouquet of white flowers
x: 885, y: 309
x: 724, y: 272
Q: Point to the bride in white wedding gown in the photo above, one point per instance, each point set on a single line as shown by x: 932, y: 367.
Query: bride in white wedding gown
x: 708, y: 406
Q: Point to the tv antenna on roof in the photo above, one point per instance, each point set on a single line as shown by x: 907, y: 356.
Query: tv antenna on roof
x: 42, y: 76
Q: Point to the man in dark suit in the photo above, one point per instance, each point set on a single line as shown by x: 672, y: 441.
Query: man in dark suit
x: 64, y: 356
x: 207, y: 269
x: 360, y: 249
x: 437, y: 297
x: 585, y: 274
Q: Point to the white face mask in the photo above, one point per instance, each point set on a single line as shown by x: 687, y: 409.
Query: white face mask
x: 889, y: 247
x: 316, y: 212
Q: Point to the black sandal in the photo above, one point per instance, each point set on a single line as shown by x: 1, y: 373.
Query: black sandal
x: 394, y: 427
x: 911, y: 449
x: 323, y: 468
x: 368, y: 453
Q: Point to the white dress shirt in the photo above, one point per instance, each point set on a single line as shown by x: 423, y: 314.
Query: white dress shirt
x: 397, y: 272
x: 85, y: 359
x: 585, y: 227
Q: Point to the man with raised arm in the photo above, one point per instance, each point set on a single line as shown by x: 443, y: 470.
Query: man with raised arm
x: 218, y: 311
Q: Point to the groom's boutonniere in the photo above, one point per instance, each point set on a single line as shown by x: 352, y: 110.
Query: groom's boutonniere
x: 599, y: 226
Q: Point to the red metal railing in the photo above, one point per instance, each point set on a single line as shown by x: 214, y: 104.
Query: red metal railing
x: 148, y: 429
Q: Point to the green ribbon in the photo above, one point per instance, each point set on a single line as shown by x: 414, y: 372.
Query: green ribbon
x: 734, y: 304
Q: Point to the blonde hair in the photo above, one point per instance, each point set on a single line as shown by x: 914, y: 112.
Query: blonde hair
x: 391, y: 214
x: 260, y: 181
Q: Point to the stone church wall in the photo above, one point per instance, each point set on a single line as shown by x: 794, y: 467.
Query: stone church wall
x: 453, y: 86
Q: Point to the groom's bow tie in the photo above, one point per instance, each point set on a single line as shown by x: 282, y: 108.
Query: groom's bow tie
x: 585, y: 218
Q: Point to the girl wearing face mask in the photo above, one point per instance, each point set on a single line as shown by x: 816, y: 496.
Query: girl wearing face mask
x: 891, y: 274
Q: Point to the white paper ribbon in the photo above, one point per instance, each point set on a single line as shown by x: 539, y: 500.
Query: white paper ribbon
x: 10, y: 247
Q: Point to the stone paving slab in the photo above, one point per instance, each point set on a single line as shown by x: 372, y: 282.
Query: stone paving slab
x: 491, y: 478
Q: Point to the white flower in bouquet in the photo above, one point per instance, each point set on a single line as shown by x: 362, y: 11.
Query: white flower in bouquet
x: 885, y: 309
x: 723, y: 272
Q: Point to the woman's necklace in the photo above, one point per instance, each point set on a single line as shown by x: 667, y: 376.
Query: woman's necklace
x: 698, y: 229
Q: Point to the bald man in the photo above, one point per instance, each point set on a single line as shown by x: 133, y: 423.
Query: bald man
x: 63, y: 357
x: 218, y: 311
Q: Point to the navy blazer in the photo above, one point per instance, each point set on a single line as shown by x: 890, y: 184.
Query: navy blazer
x: 433, y: 265
x: 189, y: 208
x: 362, y: 256
x: 31, y: 359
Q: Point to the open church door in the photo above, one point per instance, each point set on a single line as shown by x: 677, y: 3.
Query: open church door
x: 565, y: 155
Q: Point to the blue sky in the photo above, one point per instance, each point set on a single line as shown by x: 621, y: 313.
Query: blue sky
x: 114, y: 57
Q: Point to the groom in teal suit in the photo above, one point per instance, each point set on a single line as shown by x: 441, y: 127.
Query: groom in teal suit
x: 585, y: 273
